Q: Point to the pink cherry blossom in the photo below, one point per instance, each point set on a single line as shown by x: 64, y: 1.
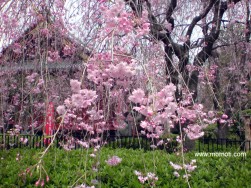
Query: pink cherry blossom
x: 45, y: 31
x: 53, y: 56
x: 176, y: 174
x: 144, y: 124
x: 61, y: 109
x: 137, y: 96
x: 224, y: 116
x: 75, y: 86
x: 114, y: 161
x: 84, y: 144
x: 24, y: 140
x: 190, y: 167
x: 211, y: 114
x: 37, y: 183
x: 194, y: 131
x: 176, y: 166
x: 222, y: 121
x: 77, y: 100
x: 68, y: 50
x: 42, y: 183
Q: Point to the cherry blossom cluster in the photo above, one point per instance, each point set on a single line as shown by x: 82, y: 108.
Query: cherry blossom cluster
x: 150, y: 178
x: 89, y: 110
x: 23, y: 140
x: 69, y: 144
x: 143, y: 25
x: 154, y: 69
x: 68, y: 50
x: 79, y: 111
x: 103, y: 69
x: 30, y: 172
x: 35, y: 83
x: 191, y: 67
x: 188, y: 167
x: 222, y: 118
x: 192, y: 117
x: 115, y: 75
x: 16, y: 130
x: 53, y: 56
x: 159, y: 109
x: 119, y: 20
x: 84, y: 186
x: 195, y: 118
x: 114, y: 161
x: 208, y: 74
x: 41, y: 182
x: 116, y: 18
x: 19, y: 99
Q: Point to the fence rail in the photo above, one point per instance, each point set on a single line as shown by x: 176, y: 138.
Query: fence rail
x: 207, y: 145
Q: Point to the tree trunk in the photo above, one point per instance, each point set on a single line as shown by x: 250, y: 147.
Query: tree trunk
x: 222, y: 132
x: 247, y: 127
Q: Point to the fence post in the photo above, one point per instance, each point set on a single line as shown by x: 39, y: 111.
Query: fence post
x: 212, y: 144
x: 41, y: 141
x: 33, y: 141
x: 1, y: 141
x: 29, y: 141
x: 208, y: 144
x: 57, y: 142
x: 8, y: 142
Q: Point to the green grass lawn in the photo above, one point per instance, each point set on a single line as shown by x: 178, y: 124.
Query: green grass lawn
x: 67, y: 168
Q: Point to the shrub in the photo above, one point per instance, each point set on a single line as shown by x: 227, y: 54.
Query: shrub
x: 77, y: 167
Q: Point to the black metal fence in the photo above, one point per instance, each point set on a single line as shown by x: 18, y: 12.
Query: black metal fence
x: 206, y: 145
x: 40, y: 141
x: 19, y: 141
x: 141, y: 143
x: 213, y: 145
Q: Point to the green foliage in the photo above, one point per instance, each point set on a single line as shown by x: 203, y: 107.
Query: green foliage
x: 128, y: 143
x: 246, y: 112
x: 67, y: 168
x: 143, y: 143
x: 210, y: 131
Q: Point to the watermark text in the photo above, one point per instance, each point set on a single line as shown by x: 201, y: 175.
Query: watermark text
x: 220, y: 154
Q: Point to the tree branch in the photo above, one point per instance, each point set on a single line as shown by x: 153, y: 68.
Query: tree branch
x: 197, y: 19
x: 170, y: 10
